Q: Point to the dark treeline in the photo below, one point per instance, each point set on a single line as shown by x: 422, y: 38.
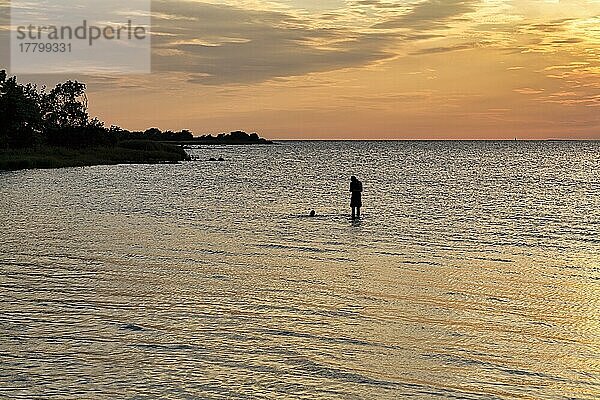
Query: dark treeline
x: 187, y: 137
x: 32, y: 116
x: 233, y: 137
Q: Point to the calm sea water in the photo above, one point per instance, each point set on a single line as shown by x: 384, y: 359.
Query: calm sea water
x: 474, y: 274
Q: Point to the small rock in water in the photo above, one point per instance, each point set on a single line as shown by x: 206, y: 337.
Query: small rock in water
x: 132, y: 327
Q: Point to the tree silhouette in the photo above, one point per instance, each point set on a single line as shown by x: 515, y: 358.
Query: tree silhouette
x: 21, y: 124
x: 66, y: 106
x: 31, y: 116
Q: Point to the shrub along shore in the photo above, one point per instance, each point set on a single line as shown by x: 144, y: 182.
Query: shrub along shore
x: 52, y: 129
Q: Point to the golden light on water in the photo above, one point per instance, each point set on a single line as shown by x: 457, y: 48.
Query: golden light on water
x: 474, y: 272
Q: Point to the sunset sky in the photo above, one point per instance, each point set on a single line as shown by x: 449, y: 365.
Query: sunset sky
x: 373, y: 69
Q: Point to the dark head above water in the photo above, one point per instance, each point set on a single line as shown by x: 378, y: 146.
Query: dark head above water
x: 313, y: 213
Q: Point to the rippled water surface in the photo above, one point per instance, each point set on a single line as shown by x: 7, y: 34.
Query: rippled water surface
x: 474, y: 274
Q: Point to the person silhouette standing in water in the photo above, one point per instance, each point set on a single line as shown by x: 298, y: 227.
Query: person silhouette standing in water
x: 356, y: 189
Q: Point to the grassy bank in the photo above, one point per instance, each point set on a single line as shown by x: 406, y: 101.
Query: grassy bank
x: 129, y: 152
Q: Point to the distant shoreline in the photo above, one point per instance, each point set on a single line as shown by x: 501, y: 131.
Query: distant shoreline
x: 52, y: 129
x: 275, y: 141
x: 201, y: 142
x: 129, y: 152
x: 136, y: 151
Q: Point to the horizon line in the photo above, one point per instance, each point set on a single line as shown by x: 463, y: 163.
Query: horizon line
x: 439, y: 140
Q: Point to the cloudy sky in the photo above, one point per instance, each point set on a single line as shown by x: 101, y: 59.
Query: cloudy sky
x: 425, y: 69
